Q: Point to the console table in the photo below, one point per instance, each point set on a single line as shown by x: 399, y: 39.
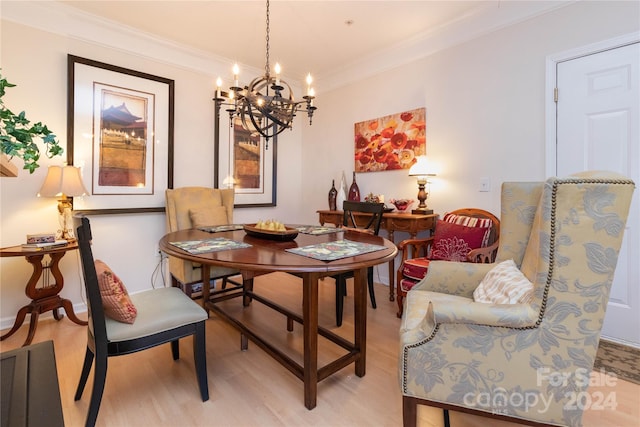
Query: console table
x: 392, y: 222
x: 45, y: 297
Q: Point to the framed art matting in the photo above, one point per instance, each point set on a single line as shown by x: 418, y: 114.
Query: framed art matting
x: 120, y: 129
x: 248, y: 165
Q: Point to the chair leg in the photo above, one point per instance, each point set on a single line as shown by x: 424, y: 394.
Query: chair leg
x: 372, y: 292
x: 200, y: 360
x: 99, y: 378
x: 84, y: 375
x: 175, y: 349
x: 400, y: 299
x: 340, y: 289
x: 409, y: 411
x: 445, y: 413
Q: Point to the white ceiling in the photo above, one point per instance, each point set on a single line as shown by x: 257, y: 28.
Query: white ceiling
x: 313, y: 36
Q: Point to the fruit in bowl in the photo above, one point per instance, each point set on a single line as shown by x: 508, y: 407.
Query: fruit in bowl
x: 401, y: 204
x: 270, y: 225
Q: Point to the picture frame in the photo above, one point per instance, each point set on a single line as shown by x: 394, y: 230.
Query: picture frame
x: 248, y: 163
x: 390, y: 142
x: 120, y: 130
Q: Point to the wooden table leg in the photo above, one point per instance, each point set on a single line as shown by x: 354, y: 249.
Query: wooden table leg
x: 310, y: 334
x: 44, y: 298
x: 360, y: 315
x: 392, y: 269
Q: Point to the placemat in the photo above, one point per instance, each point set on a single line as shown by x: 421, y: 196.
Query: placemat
x: 317, y: 229
x: 331, y: 251
x: 221, y: 228
x: 209, y: 245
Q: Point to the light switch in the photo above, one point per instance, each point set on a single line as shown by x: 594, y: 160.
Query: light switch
x: 485, y: 184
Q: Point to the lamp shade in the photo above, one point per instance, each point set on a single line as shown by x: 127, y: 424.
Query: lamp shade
x: 63, y: 181
x: 420, y: 168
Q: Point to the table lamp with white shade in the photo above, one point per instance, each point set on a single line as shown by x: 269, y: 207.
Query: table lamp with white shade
x: 421, y: 171
x: 63, y: 182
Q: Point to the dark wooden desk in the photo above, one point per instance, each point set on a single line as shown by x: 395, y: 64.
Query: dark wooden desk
x: 30, y: 390
x: 46, y: 297
x: 392, y: 222
x: 266, y: 256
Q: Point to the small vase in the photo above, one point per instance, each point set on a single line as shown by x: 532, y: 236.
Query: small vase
x: 354, y: 190
x: 333, y: 194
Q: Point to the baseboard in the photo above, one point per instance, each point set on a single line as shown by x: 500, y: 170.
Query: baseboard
x: 621, y: 342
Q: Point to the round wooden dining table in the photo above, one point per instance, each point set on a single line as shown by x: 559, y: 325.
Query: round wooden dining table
x: 263, y: 256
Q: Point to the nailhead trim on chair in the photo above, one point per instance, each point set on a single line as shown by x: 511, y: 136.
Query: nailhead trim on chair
x: 545, y: 295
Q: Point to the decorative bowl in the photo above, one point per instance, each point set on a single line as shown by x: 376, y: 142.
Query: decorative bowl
x: 401, y: 204
x: 283, y: 236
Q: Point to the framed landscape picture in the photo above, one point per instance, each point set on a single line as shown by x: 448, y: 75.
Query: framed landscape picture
x: 248, y: 166
x: 120, y: 129
x: 390, y: 142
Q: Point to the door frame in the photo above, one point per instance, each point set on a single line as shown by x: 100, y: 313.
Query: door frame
x: 550, y: 84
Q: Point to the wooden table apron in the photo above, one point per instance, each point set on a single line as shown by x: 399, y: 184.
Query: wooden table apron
x: 392, y: 222
x: 45, y: 298
x: 266, y: 256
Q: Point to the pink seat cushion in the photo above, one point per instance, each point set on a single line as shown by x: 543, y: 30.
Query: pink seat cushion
x: 407, y: 284
x: 415, y: 268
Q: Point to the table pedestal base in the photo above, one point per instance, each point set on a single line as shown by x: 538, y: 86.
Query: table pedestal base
x: 37, y: 307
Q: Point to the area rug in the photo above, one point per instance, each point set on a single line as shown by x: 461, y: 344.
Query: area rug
x: 622, y: 360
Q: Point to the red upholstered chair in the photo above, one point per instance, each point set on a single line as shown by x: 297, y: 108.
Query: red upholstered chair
x: 462, y: 235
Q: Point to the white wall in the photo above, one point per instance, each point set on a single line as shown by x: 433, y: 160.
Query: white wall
x: 485, y: 118
x: 485, y: 110
x: 37, y: 64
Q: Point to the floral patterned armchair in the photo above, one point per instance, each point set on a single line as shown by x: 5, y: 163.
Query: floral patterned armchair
x: 520, y: 361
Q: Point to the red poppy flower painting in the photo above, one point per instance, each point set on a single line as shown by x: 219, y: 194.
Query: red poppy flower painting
x: 390, y: 142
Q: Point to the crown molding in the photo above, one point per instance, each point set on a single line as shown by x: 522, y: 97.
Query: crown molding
x: 58, y: 18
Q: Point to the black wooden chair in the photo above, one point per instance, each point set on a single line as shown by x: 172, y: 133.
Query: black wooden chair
x: 370, y: 224
x: 163, y: 315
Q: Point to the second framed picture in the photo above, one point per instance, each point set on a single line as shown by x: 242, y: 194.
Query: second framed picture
x: 248, y: 165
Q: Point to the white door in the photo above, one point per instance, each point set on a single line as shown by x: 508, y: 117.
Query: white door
x: 598, y: 114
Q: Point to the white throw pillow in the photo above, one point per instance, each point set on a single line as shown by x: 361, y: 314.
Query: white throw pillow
x: 504, y: 284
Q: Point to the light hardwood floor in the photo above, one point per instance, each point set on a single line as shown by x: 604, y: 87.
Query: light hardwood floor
x: 250, y: 389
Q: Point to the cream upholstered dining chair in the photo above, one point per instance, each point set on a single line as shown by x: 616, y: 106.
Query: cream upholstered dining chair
x: 469, y: 235
x: 194, y: 207
x: 527, y: 350
x: 121, y: 324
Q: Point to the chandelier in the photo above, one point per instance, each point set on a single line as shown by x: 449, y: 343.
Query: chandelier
x: 266, y: 105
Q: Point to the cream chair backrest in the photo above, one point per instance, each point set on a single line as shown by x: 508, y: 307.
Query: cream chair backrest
x: 572, y: 253
x: 181, y: 201
x: 519, y: 201
x: 571, y: 258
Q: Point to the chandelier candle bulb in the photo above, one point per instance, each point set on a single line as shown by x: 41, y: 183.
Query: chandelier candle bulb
x: 309, y: 81
x: 218, y: 84
x: 236, y: 71
x: 277, y: 69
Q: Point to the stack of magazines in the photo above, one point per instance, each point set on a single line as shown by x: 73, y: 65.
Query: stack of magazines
x: 45, y: 245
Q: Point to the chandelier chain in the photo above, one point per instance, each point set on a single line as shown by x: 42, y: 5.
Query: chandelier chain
x: 266, y: 67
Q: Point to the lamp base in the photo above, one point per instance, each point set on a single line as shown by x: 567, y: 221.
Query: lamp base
x: 422, y: 211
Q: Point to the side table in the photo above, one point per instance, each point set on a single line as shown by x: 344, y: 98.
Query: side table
x: 392, y: 222
x: 45, y: 297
